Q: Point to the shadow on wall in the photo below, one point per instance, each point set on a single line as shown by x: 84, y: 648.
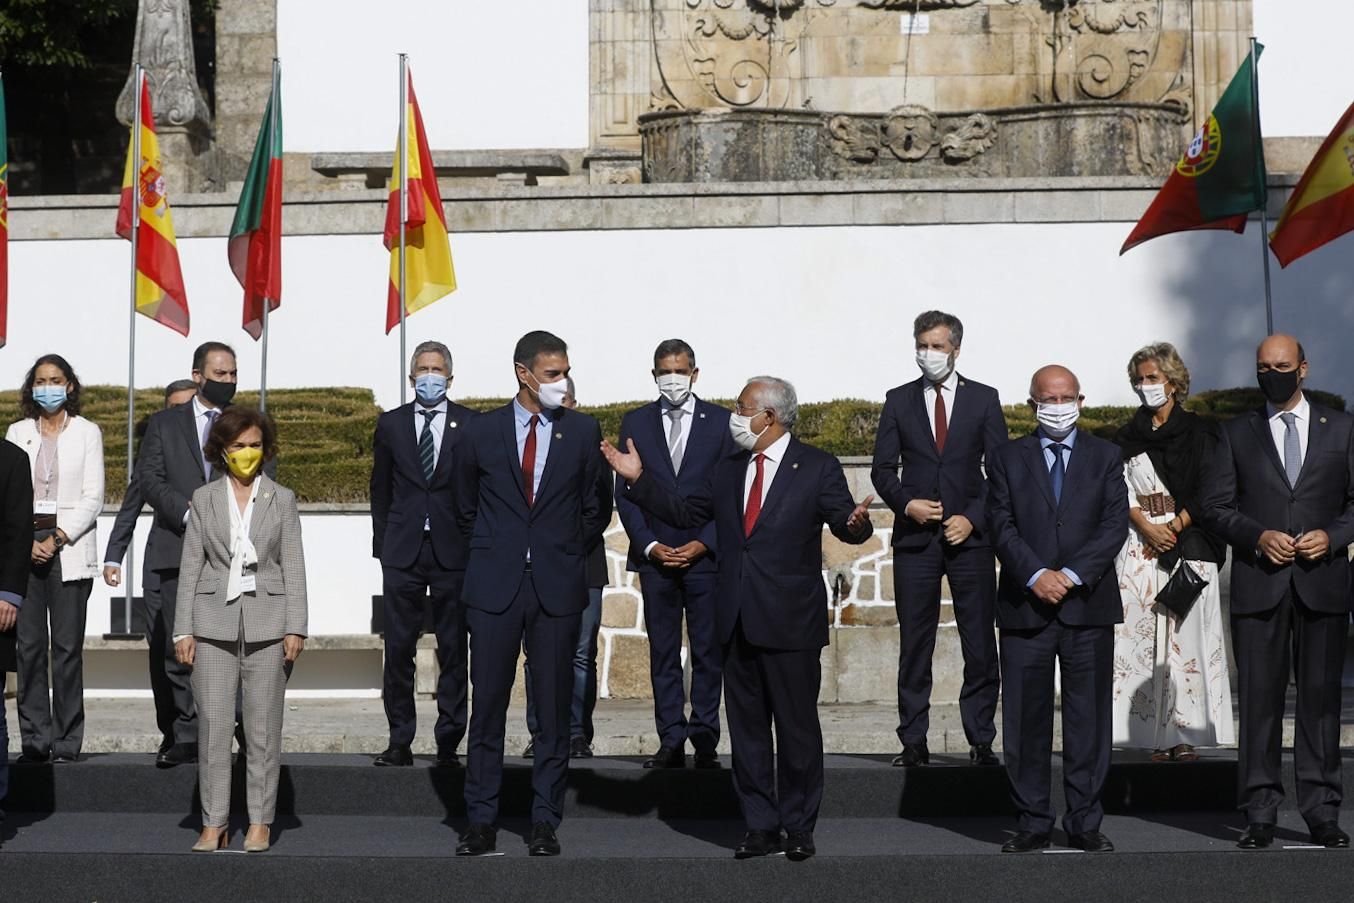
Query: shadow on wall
x: 1219, y: 281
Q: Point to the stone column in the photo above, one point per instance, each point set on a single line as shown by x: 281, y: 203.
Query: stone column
x: 620, y: 59
x: 246, y: 42
x: 1222, y: 31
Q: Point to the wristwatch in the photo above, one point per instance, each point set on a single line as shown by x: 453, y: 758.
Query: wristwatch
x: 59, y: 539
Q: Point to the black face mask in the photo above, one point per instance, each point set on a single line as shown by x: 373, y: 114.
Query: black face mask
x: 218, y: 393
x: 1278, y: 386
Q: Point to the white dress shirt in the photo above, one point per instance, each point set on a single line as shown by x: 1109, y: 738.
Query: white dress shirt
x: 1302, y: 423
x: 439, y: 425
x: 947, y: 390
x: 775, y: 453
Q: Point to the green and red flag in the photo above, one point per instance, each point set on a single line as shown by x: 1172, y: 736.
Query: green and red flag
x: 1322, y: 206
x: 4, y: 221
x: 1221, y: 177
x: 255, y: 248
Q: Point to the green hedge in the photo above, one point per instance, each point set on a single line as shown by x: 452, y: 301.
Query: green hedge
x: 326, y: 434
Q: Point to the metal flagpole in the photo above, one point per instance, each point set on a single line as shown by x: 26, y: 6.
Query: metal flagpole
x: 404, y: 208
x: 130, y: 571
x: 273, y: 104
x: 1264, y: 188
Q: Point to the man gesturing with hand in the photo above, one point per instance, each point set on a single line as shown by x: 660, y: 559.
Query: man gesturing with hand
x: 768, y: 502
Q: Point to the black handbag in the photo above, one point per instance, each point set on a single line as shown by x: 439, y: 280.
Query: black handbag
x: 1182, y: 590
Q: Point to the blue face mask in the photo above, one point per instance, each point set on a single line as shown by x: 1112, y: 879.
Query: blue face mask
x: 431, y: 388
x: 50, y: 398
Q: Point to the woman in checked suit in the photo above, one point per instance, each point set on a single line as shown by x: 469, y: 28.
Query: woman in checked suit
x: 242, y: 615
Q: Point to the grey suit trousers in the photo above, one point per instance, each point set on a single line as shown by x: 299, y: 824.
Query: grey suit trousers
x: 58, y: 726
x: 220, y: 670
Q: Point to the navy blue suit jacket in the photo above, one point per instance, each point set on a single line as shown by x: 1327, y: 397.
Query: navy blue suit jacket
x: 975, y: 429
x: 773, y: 578
x: 572, y: 510
x: 1083, y: 532
x: 402, y: 499
x: 1247, y: 492
x: 708, y: 442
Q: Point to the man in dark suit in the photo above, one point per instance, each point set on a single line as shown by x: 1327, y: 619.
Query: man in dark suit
x: 527, y: 497
x: 939, y: 430
x: 16, y: 546
x: 683, y: 439
x: 1281, y: 492
x: 421, y: 550
x: 768, y: 502
x: 1058, y: 514
x: 169, y: 467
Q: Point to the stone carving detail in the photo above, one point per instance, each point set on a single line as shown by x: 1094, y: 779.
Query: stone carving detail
x: 855, y: 138
x: 974, y: 137
x: 923, y: 6
x: 164, y: 47
x: 910, y: 132
x: 1109, y: 45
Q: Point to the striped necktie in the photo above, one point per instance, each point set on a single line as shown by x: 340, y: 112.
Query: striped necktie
x: 427, y: 450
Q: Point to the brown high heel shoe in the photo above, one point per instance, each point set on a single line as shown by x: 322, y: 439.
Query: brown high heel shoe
x: 207, y: 843
x: 259, y: 839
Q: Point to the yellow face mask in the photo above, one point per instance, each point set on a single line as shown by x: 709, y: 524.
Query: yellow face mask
x: 245, y: 462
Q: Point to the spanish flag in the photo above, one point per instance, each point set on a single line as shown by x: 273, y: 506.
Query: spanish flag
x: 159, y: 281
x: 1322, y: 206
x: 427, y: 250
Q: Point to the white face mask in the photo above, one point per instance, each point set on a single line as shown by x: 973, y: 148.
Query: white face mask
x: 675, y: 387
x: 937, y: 365
x: 550, y: 395
x: 1058, y: 420
x: 740, y: 428
x: 1152, y: 395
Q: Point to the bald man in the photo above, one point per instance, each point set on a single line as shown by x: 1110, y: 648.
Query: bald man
x: 1058, y: 513
x: 1281, y: 492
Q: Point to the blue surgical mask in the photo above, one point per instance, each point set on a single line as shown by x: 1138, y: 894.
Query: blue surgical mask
x: 50, y: 398
x: 430, y: 388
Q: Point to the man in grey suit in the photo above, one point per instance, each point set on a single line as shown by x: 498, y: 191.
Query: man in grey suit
x: 169, y: 469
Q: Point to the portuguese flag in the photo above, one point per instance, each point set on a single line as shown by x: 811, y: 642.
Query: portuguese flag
x: 1221, y: 177
x: 4, y: 221
x: 159, y: 281
x: 1322, y: 206
x: 255, y: 248
x: 427, y: 249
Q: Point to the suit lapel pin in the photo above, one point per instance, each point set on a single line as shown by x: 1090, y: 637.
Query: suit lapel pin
x: 1323, y: 419
x: 794, y: 466
x: 559, y: 435
x: 452, y: 424
x: 267, y: 495
x: 702, y: 415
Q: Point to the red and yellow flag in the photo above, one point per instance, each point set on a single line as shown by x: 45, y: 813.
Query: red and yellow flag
x: 159, y: 281
x: 428, y: 266
x: 1322, y: 206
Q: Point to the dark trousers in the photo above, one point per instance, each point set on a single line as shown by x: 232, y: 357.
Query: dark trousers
x: 405, y: 591
x: 170, y: 682
x: 666, y: 598
x: 4, y: 743
x: 779, y: 783
x: 1085, y: 657
x: 495, y: 642
x: 585, y: 673
x: 55, y: 725
x: 916, y: 592
x: 1289, y: 640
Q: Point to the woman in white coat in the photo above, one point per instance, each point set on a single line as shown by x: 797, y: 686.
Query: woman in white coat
x: 66, y: 453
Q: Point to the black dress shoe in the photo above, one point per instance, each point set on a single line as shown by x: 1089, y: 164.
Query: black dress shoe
x: 1329, y: 835
x: 757, y: 843
x: 30, y: 757
x: 1257, y: 836
x: 178, y: 754
x: 982, y: 754
x: 65, y: 758
x: 165, y: 744
x: 543, y: 840
x: 1025, y: 842
x: 580, y: 748
x: 799, y: 846
x: 913, y: 754
x: 707, y: 760
x: 667, y: 757
x: 448, y: 760
x: 529, y: 751
x: 478, y: 840
x: 395, y: 757
x: 1091, y: 842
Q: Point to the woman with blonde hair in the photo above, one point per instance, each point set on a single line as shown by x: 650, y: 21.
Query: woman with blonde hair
x: 1171, y: 689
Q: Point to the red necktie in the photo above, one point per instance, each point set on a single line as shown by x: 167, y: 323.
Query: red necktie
x: 529, y: 460
x: 754, y: 505
x: 942, y: 427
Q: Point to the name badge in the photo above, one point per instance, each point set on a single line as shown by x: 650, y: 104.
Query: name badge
x: 44, y: 507
x: 248, y: 583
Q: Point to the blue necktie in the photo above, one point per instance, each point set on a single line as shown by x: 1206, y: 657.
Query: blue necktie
x: 1292, y: 449
x: 1059, y: 470
x: 427, y: 454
